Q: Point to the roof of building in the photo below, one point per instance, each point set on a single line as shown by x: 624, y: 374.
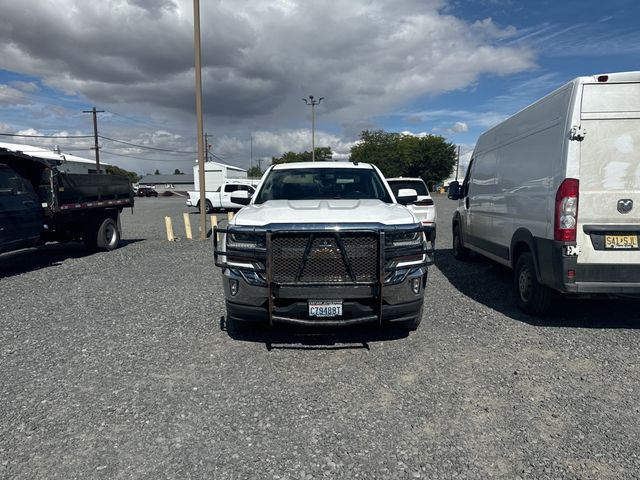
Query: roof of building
x: 185, y: 178
x: 40, y: 152
x: 208, y: 166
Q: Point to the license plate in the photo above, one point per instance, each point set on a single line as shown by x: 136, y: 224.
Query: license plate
x: 620, y: 242
x: 325, y: 309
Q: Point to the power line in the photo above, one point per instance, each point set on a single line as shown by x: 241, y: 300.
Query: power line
x: 44, y: 136
x: 145, y: 146
x: 143, y: 159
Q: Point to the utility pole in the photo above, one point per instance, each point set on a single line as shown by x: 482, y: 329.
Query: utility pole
x: 458, y: 163
x: 251, y: 158
x: 95, y: 135
x: 311, y: 101
x: 260, y: 163
x: 198, y: 71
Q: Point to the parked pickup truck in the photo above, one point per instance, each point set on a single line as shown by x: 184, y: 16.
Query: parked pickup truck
x: 220, y: 199
x: 40, y: 204
x: 324, y: 243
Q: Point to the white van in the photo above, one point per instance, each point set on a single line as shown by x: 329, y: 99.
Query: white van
x: 554, y: 192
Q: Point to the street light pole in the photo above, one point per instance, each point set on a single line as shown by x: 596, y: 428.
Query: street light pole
x: 311, y: 101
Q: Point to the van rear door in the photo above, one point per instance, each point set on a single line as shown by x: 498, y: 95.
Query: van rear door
x: 609, y: 205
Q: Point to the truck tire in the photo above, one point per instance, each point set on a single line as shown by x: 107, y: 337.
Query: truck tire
x: 105, y: 237
x: 208, y: 207
x: 531, y: 296
x: 460, y: 252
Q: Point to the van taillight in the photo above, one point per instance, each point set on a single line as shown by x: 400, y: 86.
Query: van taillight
x: 566, y: 211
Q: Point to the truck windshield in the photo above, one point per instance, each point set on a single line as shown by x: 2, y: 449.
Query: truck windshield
x: 323, y: 184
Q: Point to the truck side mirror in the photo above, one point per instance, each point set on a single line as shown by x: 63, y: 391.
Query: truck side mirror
x: 454, y: 190
x: 241, y: 197
x: 406, y: 196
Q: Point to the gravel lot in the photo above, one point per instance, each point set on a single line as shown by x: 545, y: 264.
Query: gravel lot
x: 114, y: 365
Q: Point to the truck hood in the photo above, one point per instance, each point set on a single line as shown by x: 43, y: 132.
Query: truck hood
x: 324, y: 211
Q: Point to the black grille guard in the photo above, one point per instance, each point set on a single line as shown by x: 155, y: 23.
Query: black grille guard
x: 256, y: 259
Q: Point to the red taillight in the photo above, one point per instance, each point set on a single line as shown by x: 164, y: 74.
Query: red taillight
x: 566, y: 211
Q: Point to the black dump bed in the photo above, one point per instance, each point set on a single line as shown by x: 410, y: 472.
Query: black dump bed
x: 91, y: 190
x: 61, y: 192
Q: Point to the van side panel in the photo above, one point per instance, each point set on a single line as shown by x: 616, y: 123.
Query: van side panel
x: 528, y: 154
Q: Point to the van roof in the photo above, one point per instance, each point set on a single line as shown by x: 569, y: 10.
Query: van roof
x: 615, y: 77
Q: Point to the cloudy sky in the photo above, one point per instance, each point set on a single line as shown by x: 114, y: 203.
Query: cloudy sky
x: 452, y: 68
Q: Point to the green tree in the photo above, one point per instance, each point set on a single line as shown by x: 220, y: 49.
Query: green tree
x: 254, y: 172
x: 177, y: 172
x: 157, y: 172
x: 322, y: 154
x: 113, y: 170
x: 430, y: 157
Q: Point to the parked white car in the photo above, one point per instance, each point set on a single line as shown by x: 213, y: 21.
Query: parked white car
x: 423, y: 208
x: 553, y: 193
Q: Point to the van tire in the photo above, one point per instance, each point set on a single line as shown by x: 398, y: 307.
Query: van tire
x: 531, y: 296
x: 460, y: 252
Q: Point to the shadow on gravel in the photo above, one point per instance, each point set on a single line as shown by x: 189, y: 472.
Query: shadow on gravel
x: 51, y: 255
x: 491, y: 284
x: 293, y: 337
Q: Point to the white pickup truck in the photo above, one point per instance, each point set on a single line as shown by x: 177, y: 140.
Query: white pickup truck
x: 220, y: 199
x: 324, y: 243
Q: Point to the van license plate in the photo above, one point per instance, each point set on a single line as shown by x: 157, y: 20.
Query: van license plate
x: 620, y: 242
x: 325, y: 309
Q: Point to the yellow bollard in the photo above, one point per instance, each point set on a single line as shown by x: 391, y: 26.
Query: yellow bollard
x: 230, y: 216
x: 187, y: 226
x: 169, y: 226
x: 214, y: 224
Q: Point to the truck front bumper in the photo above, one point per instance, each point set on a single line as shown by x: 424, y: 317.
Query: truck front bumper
x: 250, y: 303
x: 384, y: 284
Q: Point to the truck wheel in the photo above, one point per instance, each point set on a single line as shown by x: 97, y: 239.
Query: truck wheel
x: 208, y: 208
x: 105, y: 237
x: 532, y: 297
x: 460, y: 252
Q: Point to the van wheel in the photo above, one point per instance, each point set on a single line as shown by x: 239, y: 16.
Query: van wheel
x: 532, y: 297
x: 460, y: 252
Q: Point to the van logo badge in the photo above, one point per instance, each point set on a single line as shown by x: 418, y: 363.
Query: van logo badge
x: 625, y: 205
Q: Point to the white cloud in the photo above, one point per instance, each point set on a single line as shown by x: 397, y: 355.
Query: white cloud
x: 10, y: 96
x: 259, y: 58
x: 458, y: 127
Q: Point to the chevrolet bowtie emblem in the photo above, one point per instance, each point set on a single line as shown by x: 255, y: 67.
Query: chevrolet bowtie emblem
x: 625, y: 205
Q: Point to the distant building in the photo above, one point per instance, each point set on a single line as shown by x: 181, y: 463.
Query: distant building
x: 173, y: 183
x: 70, y: 163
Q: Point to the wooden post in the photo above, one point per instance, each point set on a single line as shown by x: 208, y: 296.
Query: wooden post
x: 169, y: 226
x: 214, y: 224
x: 230, y: 216
x: 187, y: 226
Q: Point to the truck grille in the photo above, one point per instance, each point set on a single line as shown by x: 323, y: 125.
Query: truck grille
x: 324, y: 261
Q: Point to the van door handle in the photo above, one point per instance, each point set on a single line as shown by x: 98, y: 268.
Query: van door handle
x: 28, y: 203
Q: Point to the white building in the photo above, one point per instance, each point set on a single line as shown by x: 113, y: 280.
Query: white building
x: 215, y: 174
x: 70, y: 163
